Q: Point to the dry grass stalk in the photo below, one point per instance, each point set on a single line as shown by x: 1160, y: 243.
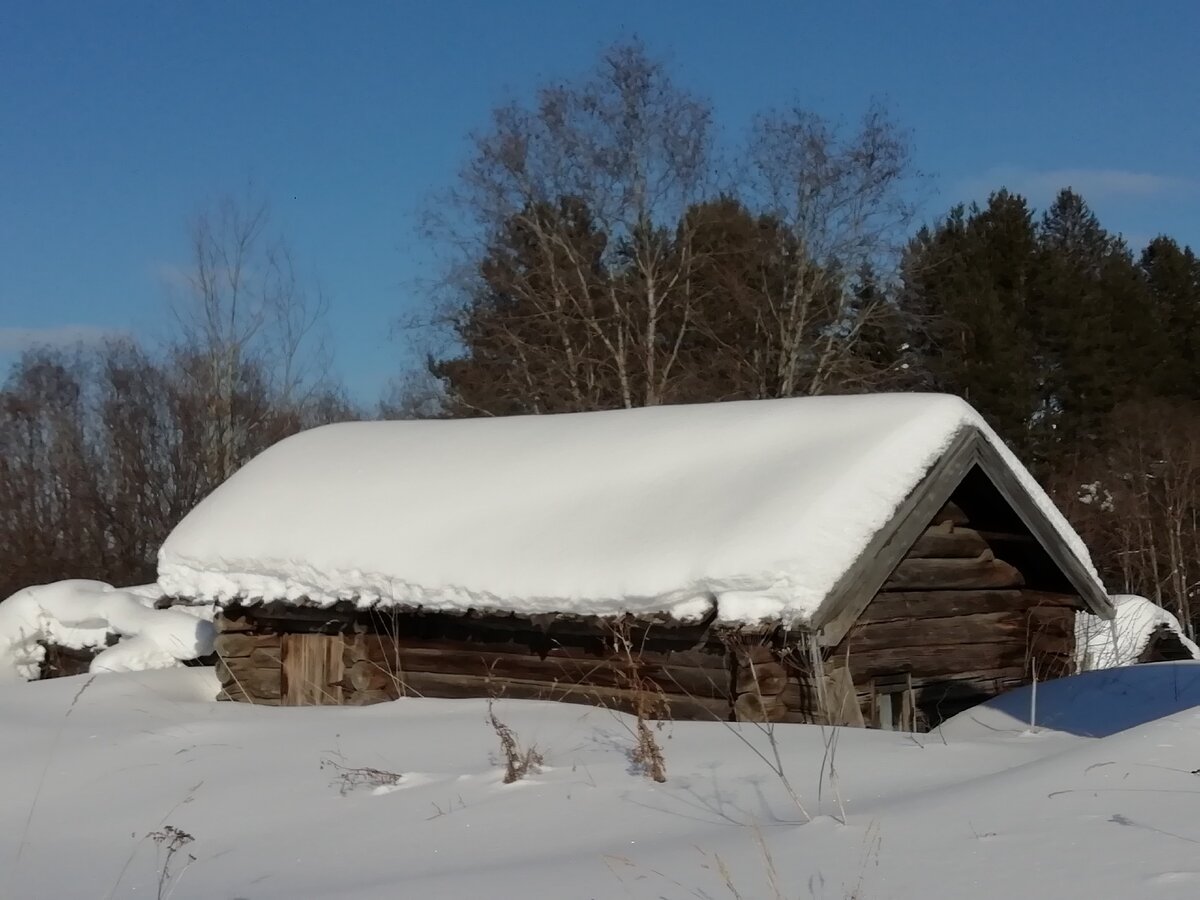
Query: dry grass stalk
x: 650, y: 703
x: 351, y: 777
x: 172, y: 840
x: 518, y: 762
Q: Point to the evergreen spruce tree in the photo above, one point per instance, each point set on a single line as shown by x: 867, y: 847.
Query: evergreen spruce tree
x: 1172, y: 279
x: 1091, y: 315
x: 969, y: 279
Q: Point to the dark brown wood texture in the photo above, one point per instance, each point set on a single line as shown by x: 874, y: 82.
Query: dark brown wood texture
x: 960, y: 619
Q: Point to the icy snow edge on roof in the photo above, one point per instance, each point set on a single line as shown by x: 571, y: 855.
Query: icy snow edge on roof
x: 1102, y: 644
x: 760, y: 505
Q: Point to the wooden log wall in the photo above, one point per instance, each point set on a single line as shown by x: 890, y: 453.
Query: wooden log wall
x: 249, y: 662
x: 678, y: 674
x: 958, y: 619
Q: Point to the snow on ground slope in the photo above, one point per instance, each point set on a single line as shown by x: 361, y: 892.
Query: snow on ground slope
x: 89, y: 766
x: 760, y: 505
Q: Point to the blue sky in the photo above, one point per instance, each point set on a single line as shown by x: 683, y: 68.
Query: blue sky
x: 119, y: 120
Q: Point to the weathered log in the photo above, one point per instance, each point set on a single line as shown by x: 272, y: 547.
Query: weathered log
x: 227, y: 622
x: 1051, y: 619
x: 981, y: 572
x: 430, y: 684
x: 951, y: 514
x: 614, y: 672
x: 935, y: 660
x: 984, y: 628
x: 258, y: 683
x: 944, y: 541
x: 266, y: 656
x: 753, y: 652
x: 366, y: 676
x: 753, y: 707
x: 385, y: 647
x: 800, y: 696
x: 768, y: 679
x: 892, y: 605
x: 236, y: 644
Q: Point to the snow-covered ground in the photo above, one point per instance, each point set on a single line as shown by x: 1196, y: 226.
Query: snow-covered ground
x: 91, y: 766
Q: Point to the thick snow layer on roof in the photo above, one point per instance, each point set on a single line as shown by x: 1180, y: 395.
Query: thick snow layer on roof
x: 80, y: 613
x: 1105, y: 644
x: 761, y: 505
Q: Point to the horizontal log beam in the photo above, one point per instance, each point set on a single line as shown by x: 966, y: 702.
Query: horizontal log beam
x: 981, y: 572
x: 237, y: 644
x: 765, y: 678
x: 947, y: 542
x: 983, y: 628
x: 891, y: 605
x: 430, y: 684
x: 613, y: 672
x: 757, y: 708
x: 935, y: 660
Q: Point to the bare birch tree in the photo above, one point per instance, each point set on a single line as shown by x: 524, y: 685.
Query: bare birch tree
x: 587, y: 183
x: 843, y: 201
x: 245, y: 310
x: 602, y: 264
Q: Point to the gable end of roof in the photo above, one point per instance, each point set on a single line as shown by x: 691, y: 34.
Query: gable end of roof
x: 854, y: 591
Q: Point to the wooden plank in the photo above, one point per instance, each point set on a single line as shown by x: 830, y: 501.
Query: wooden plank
x: 312, y: 669
x: 842, y: 706
x: 1010, y: 487
x: 983, y: 572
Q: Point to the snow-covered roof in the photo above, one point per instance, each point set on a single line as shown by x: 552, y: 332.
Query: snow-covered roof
x: 763, y: 505
x: 79, y: 613
x: 1104, y: 644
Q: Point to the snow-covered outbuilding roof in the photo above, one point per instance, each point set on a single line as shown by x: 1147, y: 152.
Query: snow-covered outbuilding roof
x: 83, y: 614
x: 1121, y: 641
x: 765, y: 507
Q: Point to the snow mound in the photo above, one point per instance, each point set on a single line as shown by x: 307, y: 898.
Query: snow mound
x: 82, y: 614
x: 282, y: 804
x: 759, y: 506
x: 1091, y: 704
x: 1105, y: 644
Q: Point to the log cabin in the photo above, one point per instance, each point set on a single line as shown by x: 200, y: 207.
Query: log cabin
x: 879, y: 561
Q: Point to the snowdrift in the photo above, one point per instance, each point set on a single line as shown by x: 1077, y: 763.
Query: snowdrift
x: 84, y: 614
x: 1091, y: 704
x: 407, y: 799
